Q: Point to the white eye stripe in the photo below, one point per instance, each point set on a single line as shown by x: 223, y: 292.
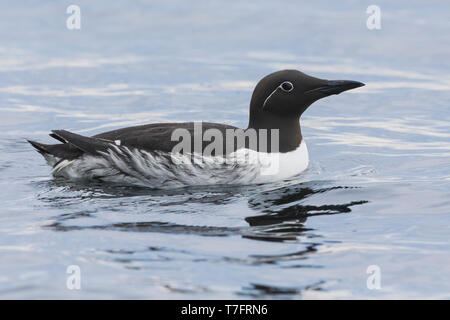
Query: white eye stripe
x: 285, y: 86
x: 267, y: 99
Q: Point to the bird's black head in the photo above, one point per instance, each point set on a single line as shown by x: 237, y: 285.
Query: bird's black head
x: 287, y: 94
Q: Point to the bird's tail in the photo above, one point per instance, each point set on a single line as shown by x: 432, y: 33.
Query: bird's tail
x: 42, y: 148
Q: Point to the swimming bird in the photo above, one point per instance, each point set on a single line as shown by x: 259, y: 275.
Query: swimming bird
x: 164, y: 155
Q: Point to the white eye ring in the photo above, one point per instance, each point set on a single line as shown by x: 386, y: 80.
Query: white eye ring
x: 287, y: 86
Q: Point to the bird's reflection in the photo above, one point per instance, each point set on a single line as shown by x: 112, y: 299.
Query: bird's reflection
x: 284, y: 214
x: 278, y: 214
x: 281, y: 212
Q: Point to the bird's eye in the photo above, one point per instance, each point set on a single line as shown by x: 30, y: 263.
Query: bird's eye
x: 287, y: 86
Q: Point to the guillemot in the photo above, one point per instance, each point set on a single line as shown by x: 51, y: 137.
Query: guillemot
x: 152, y: 155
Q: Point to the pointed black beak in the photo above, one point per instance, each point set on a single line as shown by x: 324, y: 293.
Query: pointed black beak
x: 336, y: 87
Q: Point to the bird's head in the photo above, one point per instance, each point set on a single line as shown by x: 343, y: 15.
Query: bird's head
x: 288, y: 93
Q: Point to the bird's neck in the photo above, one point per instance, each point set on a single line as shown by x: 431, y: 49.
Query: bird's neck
x: 290, y: 135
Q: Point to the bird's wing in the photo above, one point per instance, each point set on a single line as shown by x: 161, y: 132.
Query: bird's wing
x: 158, y: 136
x: 152, y: 137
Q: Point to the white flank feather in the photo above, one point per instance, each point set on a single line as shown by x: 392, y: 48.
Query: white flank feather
x: 166, y: 170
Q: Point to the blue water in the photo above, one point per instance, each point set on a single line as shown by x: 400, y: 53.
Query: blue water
x: 377, y: 191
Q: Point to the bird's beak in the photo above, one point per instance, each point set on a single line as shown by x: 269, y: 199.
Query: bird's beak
x: 336, y: 87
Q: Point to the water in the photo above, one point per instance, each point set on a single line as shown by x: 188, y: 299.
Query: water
x: 376, y: 193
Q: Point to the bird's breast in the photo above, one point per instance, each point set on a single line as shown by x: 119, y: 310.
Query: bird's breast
x: 279, y: 166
